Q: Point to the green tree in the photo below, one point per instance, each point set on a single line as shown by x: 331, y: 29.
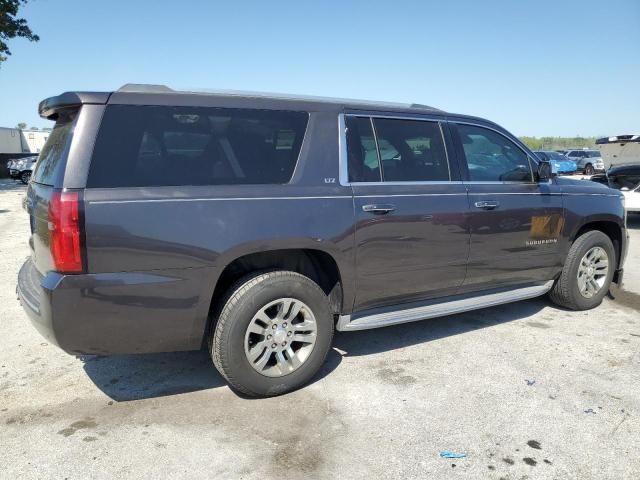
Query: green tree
x: 11, y: 26
x: 21, y: 126
x: 556, y: 143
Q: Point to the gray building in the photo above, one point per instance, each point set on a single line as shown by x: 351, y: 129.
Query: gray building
x: 16, y: 143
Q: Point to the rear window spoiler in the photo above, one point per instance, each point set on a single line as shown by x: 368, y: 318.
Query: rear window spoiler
x: 49, y: 107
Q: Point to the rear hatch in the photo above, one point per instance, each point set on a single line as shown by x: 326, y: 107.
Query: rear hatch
x: 52, y: 211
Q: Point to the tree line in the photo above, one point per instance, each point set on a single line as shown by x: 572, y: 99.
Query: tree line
x: 558, y: 143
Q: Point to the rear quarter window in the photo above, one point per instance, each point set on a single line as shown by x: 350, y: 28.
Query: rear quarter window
x: 140, y: 146
x: 52, y: 158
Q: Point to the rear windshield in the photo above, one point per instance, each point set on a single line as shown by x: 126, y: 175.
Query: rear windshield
x: 141, y: 146
x: 51, y: 162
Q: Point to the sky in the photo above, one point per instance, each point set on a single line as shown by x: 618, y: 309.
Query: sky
x: 537, y: 67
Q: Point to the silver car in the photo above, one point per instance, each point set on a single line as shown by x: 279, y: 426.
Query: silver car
x: 22, y: 168
x: 587, y: 161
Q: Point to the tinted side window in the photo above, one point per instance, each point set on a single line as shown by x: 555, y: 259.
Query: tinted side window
x: 156, y: 146
x: 361, y: 151
x: 491, y: 157
x: 411, y: 150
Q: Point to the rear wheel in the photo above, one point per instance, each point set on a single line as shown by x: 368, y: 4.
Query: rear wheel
x: 587, y: 272
x: 589, y: 170
x: 273, y: 333
x: 25, y: 177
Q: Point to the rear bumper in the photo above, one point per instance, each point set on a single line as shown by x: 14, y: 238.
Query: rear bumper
x: 114, y: 313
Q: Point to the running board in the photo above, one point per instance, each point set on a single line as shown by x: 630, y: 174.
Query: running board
x: 383, y: 319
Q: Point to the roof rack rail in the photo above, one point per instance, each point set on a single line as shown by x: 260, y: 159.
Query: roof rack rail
x: 145, y: 88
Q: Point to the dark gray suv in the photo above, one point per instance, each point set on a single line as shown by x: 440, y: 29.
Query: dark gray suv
x: 254, y: 225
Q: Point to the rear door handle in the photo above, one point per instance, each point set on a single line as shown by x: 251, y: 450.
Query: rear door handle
x: 378, y: 209
x: 487, y: 204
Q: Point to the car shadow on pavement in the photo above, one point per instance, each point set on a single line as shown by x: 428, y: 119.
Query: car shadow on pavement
x: 374, y: 341
x: 135, y: 377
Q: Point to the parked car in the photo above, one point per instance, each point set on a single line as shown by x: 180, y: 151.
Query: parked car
x: 22, y: 168
x: 12, y: 162
x: 632, y: 198
x: 625, y: 178
x: 619, y: 149
x: 255, y: 225
x: 560, y: 164
x: 587, y: 161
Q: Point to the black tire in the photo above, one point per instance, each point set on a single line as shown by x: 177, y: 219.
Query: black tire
x: 245, y: 298
x: 566, y: 292
x: 25, y: 177
x: 589, y: 170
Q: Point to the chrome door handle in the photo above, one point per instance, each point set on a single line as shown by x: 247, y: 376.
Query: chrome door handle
x: 487, y: 204
x: 378, y: 209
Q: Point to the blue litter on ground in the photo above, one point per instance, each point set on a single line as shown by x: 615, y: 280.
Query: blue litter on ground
x: 448, y: 454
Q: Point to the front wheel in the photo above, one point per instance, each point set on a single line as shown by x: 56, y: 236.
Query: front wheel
x: 587, y: 272
x: 273, y: 333
x: 589, y: 170
x: 25, y: 177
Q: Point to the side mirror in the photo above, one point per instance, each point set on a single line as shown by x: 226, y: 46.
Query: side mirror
x: 545, y: 171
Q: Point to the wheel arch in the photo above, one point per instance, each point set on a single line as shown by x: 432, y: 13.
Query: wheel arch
x: 319, y: 265
x: 610, y: 228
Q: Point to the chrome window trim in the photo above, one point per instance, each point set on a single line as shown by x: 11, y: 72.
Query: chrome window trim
x: 343, y: 160
x: 399, y: 183
x: 529, y: 159
x: 343, y: 172
x: 375, y: 140
x: 516, y: 193
x: 305, y: 140
x: 494, y: 182
x: 216, y: 199
x: 446, y: 151
x: 443, y: 194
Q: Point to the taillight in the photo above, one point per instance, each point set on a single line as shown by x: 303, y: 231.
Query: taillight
x: 65, y: 235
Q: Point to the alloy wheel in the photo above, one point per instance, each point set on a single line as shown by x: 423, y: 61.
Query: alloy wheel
x: 280, y: 337
x: 592, y: 271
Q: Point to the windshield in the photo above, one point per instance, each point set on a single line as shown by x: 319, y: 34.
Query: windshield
x: 630, y: 182
x: 593, y: 153
x: 556, y: 156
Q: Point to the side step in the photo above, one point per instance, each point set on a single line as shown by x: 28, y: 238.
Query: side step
x: 441, y: 309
